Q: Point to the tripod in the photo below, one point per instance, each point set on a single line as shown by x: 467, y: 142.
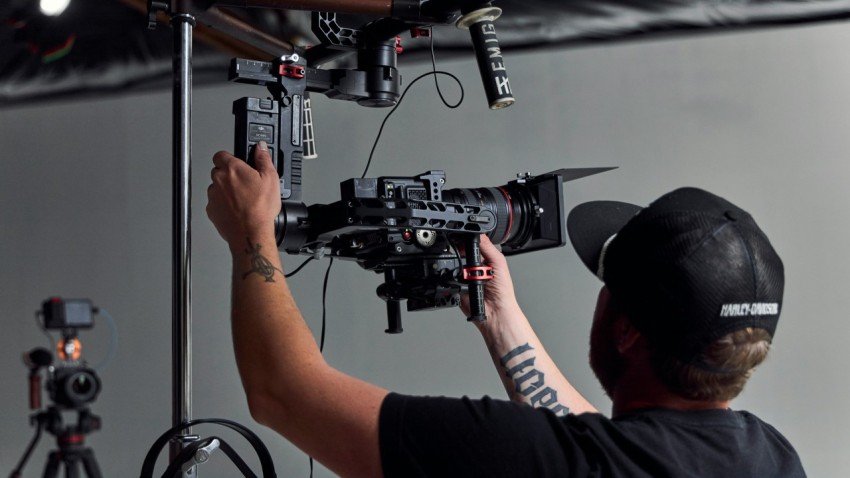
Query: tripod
x: 71, y: 443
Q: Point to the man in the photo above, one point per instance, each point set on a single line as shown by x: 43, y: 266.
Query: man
x: 691, y: 299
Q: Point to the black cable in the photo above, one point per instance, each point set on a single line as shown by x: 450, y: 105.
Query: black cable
x: 324, y: 304
x: 297, y: 269
x: 39, y: 321
x: 434, y: 68
x: 324, y: 323
x: 383, y: 123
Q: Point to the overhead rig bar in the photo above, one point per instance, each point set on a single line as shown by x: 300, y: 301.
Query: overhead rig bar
x: 214, y: 14
x: 380, y: 8
x: 218, y: 25
x: 236, y: 28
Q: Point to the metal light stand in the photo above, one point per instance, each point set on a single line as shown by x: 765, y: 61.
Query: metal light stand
x: 182, y: 23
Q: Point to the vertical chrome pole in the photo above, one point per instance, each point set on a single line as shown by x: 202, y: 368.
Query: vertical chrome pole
x: 182, y: 24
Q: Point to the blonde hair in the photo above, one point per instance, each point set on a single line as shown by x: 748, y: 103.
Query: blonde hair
x: 729, y: 363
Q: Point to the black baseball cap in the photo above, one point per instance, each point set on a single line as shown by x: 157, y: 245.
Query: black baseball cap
x: 688, y: 269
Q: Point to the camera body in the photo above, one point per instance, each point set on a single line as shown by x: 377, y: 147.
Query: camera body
x: 70, y: 383
x: 72, y: 386
x: 419, y: 234
x: 406, y: 227
x: 413, y: 225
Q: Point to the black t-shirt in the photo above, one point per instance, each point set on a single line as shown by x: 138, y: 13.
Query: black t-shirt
x: 444, y: 437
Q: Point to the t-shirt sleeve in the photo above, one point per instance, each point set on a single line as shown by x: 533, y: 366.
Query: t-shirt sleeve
x: 438, y: 436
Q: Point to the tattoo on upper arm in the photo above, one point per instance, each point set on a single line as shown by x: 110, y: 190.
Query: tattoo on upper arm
x: 529, y: 382
x: 260, y: 263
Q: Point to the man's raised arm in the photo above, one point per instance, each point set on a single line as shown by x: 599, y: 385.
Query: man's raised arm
x: 329, y: 415
x: 527, y: 371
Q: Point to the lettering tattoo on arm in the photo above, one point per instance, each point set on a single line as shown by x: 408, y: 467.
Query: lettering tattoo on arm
x: 259, y: 264
x: 529, y: 382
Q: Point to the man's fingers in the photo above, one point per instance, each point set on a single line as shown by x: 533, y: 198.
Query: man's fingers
x: 488, y: 249
x: 263, y: 159
x: 223, y: 158
x: 492, y: 254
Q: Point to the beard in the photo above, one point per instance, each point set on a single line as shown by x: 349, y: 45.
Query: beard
x: 605, y: 360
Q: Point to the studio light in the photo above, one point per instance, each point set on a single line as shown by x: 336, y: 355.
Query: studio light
x: 53, y: 7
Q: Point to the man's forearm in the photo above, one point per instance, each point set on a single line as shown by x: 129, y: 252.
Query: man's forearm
x: 289, y: 386
x: 273, y: 344
x: 527, y: 371
x: 329, y: 415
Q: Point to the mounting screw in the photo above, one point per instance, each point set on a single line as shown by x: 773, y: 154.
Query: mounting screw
x: 293, y: 58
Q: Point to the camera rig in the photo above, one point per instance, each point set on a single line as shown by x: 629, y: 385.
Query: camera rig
x: 71, y: 386
x: 422, y: 237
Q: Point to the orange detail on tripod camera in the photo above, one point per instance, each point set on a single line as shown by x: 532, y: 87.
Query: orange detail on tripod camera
x: 70, y: 349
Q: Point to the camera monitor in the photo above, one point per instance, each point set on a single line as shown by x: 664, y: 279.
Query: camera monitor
x: 67, y: 313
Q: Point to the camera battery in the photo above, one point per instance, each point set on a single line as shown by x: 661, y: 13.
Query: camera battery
x: 256, y: 120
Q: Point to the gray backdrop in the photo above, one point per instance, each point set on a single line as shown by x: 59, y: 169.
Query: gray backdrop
x: 761, y: 118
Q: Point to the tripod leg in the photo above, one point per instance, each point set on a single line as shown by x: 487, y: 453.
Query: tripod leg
x: 51, y: 469
x: 72, y: 468
x: 90, y: 464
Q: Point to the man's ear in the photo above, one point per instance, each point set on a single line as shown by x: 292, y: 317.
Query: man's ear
x: 626, y: 333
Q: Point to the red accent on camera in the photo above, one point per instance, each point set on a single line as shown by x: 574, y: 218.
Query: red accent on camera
x: 481, y: 273
x: 291, y: 71
x: 417, y: 32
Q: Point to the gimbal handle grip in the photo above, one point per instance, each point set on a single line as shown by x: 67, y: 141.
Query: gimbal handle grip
x: 491, y: 65
x: 475, y: 274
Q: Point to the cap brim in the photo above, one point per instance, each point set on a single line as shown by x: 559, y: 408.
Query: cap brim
x: 591, y: 224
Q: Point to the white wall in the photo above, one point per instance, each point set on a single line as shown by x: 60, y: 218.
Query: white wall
x: 760, y: 118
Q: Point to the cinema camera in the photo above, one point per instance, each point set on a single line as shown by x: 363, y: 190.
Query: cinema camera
x: 71, y: 386
x: 407, y: 228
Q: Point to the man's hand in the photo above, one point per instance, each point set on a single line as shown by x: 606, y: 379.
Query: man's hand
x: 243, y: 202
x: 499, y: 297
x: 527, y: 371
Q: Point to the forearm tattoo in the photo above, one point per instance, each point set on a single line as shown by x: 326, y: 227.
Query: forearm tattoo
x: 260, y: 264
x: 529, y: 382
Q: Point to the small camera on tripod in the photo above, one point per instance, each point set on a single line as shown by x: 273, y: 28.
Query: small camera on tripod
x: 71, y: 385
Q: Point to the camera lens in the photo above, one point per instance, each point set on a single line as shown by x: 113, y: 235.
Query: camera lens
x: 511, y: 204
x: 73, y: 386
x: 81, y: 385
